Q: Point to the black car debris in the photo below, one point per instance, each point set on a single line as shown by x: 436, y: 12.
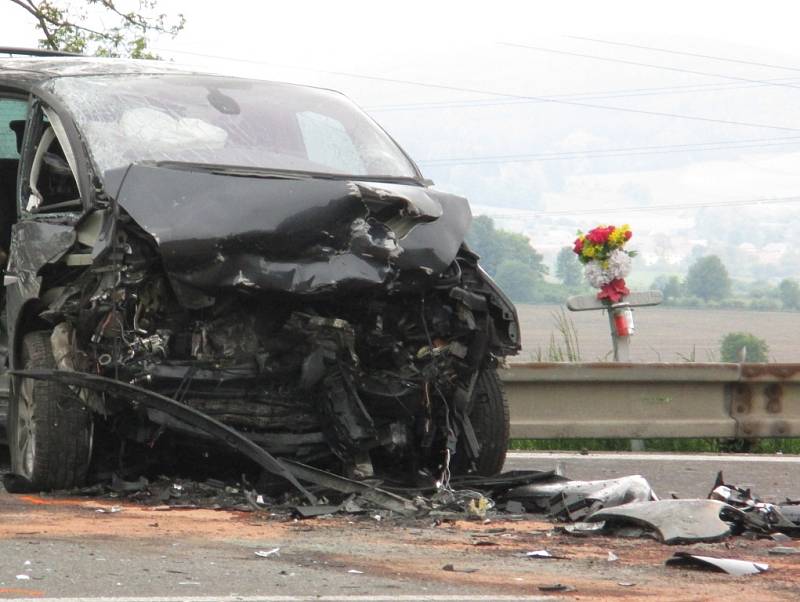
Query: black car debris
x: 240, y: 261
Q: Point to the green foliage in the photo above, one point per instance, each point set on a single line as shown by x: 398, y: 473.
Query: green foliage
x: 518, y: 281
x: 789, y: 291
x: 123, y: 32
x: 756, y: 349
x: 670, y: 286
x: 568, y: 267
x: 757, y: 446
x: 708, y: 279
x: 509, y: 258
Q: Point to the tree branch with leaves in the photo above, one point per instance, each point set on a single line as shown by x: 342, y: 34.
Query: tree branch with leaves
x: 69, y: 26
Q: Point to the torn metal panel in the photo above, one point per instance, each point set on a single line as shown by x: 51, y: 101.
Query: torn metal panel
x: 731, y: 566
x: 301, y: 235
x: 675, y: 521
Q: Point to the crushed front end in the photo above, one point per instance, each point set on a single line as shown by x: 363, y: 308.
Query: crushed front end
x: 343, y: 324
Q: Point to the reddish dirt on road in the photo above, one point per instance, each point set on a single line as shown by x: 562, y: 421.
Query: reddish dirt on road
x: 410, y: 553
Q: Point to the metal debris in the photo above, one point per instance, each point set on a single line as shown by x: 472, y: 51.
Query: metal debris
x: 732, y: 566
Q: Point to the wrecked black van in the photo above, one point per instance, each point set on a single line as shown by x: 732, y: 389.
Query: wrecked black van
x: 246, y: 260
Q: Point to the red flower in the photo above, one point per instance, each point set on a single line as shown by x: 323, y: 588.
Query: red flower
x: 614, y: 291
x: 628, y: 234
x: 578, y: 246
x: 599, y: 235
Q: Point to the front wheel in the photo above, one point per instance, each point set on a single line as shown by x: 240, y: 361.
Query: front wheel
x: 489, y: 416
x: 50, y: 432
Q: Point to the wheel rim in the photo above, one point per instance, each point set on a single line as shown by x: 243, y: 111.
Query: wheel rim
x: 26, y: 432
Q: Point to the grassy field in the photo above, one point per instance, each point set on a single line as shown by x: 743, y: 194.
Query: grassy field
x: 663, y: 334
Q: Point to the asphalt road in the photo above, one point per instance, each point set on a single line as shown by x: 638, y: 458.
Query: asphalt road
x: 64, y: 549
x: 687, y: 475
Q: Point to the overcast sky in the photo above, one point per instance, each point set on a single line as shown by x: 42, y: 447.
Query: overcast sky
x: 721, y: 127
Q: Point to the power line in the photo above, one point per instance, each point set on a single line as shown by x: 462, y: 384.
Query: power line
x: 625, y: 93
x: 640, y: 64
x: 651, y: 208
x: 495, y: 93
x: 684, y: 53
x: 616, y: 152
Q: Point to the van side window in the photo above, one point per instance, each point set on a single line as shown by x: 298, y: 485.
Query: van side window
x: 13, y: 112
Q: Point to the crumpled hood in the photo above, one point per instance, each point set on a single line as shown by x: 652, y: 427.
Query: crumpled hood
x: 304, y: 236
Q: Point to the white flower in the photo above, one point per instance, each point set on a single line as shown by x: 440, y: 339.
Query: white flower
x: 619, y: 264
x: 596, y: 275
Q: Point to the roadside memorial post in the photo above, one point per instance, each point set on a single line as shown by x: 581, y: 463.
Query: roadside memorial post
x: 620, y: 316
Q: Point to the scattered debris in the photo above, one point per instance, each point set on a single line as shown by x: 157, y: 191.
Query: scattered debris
x: 626, y: 583
x: 514, y: 507
x: 268, y: 553
x: 556, y: 587
x: 450, y: 568
x: 783, y: 551
x: 732, y: 566
x: 543, y: 554
x: 675, y: 521
x: 355, y: 572
x: 23, y: 577
x: 112, y: 510
x: 612, y: 557
x: 575, y: 500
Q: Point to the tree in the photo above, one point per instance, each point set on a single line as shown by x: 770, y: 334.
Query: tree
x: 568, y: 268
x: 496, y: 246
x: 67, y: 25
x: 670, y: 286
x: 708, y: 278
x: 518, y: 280
x: 790, y: 293
x: 743, y: 346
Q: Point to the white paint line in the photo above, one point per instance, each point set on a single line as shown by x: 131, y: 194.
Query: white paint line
x: 370, y: 598
x: 654, y: 457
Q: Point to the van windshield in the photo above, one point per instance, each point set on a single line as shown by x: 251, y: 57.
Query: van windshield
x: 227, y: 121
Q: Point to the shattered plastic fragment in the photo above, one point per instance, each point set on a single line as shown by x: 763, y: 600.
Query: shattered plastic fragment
x: 675, y: 521
x: 604, y: 493
x: 732, y: 566
x: 267, y: 553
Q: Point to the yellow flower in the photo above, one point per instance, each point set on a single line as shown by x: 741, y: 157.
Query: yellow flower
x: 589, y: 251
x: 617, y: 238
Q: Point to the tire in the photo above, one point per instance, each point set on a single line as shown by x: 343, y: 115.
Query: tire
x: 50, y: 432
x: 490, y: 421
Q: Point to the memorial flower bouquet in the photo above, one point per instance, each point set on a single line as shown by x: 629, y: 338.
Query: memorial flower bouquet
x: 606, y: 262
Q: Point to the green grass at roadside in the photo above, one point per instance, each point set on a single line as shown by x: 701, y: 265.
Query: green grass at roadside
x: 757, y: 446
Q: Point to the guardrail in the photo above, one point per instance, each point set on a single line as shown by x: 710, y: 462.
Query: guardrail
x: 643, y: 401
